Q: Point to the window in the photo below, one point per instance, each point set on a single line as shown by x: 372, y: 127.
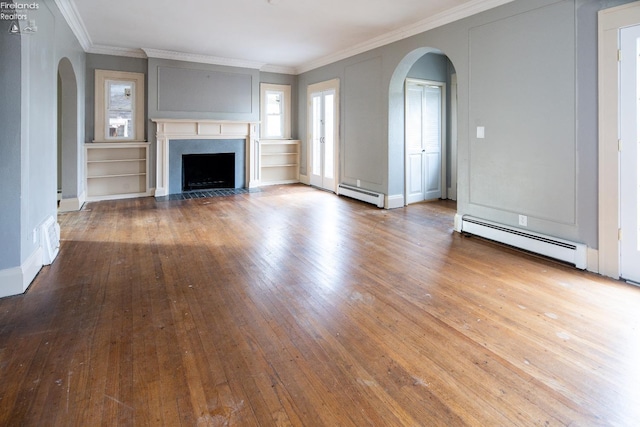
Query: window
x: 275, y: 111
x: 119, y: 106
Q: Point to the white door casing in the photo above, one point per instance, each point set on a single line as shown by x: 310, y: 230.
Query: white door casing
x: 425, y: 142
x: 610, y: 22
x: 323, y: 131
x: 629, y: 140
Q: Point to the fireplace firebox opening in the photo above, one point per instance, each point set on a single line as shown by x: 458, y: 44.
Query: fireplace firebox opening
x: 204, y: 171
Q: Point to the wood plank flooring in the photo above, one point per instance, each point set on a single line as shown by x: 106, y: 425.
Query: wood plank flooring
x: 293, y: 306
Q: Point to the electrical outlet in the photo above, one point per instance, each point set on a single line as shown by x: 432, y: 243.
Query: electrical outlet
x: 358, y: 183
x: 34, y: 235
x: 522, y: 220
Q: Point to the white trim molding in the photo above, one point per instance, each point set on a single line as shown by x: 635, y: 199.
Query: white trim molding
x: 174, y: 129
x: 15, y: 281
x: 394, y: 202
x: 72, y: 204
x: 202, y: 59
x: 610, y: 22
x: 116, y: 51
x: 72, y: 16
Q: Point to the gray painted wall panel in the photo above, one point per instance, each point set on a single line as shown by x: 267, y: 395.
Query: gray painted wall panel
x: 203, y: 91
x: 10, y: 190
x: 522, y: 92
x: 39, y: 145
x: 364, y: 137
x: 185, y: 90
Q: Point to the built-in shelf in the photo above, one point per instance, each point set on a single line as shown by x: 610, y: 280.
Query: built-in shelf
x: 116, y: 170
x: 279, y: 161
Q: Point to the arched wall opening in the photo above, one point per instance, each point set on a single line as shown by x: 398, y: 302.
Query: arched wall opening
x: 68, y: 141
x: 408, y: 67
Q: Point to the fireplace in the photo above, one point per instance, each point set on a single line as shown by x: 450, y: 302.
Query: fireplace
x: 178, y: 137
x: 205, y: 171
x: 202, y: 151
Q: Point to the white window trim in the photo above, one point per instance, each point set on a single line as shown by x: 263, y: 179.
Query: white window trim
x: 286, y: 109
x: 100, y: 118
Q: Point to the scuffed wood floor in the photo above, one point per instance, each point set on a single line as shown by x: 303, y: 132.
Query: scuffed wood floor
x: 297, y: 307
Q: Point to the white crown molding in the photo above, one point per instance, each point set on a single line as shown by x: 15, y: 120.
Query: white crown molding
x: 117, y: 51
x: 280, y: 69
x: 71, y: 15
x: 203, y: 59
x: 460, y: 12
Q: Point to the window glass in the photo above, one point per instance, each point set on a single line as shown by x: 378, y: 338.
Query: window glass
x: 275, y: 108
x: 120, y: 103
x: 275, y: 118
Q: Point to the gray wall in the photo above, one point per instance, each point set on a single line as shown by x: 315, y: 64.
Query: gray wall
x: 186, y: 90
x: 526, y: 71
x: 29, y: 136
x: 10, y: 148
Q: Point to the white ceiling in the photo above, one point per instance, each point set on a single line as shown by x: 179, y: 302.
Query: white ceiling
x: 281, y: 35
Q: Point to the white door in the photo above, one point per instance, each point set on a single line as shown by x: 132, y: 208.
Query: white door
x: 323, y: 134
x: 424, y: 140
x: 630, y: 138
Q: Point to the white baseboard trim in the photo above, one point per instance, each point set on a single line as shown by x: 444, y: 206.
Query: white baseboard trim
x: 71, y: 205
x: 304, y: 179
x: 593, y: 260
x: 15, y: 281
x: 457, y: 223
x: 394, y: 202
x: 451, y: 193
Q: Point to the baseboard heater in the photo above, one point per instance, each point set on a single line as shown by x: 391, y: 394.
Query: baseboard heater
x: 563, y: 250
x: 360, y: 194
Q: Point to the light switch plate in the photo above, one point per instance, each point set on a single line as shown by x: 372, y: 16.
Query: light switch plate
x: 480, y: 132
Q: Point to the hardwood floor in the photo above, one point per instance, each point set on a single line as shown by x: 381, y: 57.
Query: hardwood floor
x: 293, y: 306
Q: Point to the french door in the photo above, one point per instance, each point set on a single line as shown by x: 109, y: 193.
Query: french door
x: 323, y: 134
x: 629, y: 153
x: 424, y: 140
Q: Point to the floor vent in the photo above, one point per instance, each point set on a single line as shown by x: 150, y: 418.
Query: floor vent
x: 363, y: 195
x: 50, y: 240
x: 563, y: 250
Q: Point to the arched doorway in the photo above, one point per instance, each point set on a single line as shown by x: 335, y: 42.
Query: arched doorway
x: 427, y: 68
x: 68, y: 142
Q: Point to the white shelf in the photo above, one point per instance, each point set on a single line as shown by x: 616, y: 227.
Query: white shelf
x: 279, y: 162
x: 116, y: 170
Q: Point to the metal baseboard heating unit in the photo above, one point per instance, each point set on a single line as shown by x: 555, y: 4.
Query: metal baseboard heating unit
x: 360, y: 194
x: 563, y: 250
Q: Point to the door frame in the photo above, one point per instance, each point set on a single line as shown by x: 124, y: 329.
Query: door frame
x: 452, y: 192
x: 610, y: 21
x: 443, y: 134
x: 333, y: 84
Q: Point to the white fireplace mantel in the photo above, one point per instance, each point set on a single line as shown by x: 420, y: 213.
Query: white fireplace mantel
x: 175, y: 129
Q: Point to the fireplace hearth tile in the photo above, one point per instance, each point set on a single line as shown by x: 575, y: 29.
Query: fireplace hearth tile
x: 200, y: 194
